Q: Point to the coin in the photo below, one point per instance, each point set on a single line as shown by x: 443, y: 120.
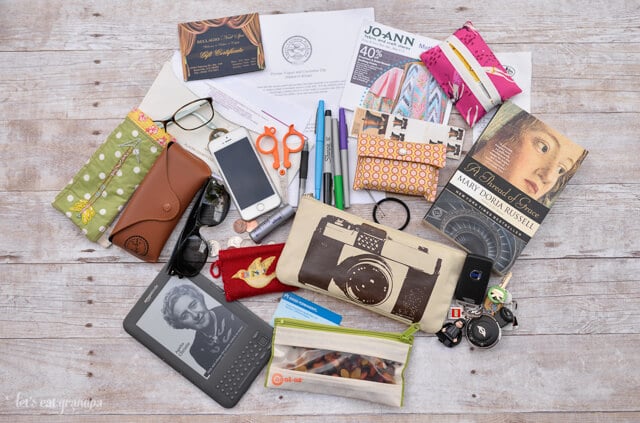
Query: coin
x: 240, y: 226
x: 234, y: 241
x: 251, y: 225
x: 214, y: 248
x: 247, y: 243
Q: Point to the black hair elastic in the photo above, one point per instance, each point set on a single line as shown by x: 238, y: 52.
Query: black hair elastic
x: 395, y: 200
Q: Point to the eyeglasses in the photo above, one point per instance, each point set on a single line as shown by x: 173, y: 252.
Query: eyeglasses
x: 191, y: 251
x: 202, y: 109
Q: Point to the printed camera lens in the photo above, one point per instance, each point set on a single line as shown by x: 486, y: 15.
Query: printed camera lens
x: 368, y: 281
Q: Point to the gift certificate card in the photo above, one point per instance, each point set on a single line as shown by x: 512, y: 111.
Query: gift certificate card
x: 220, y: 47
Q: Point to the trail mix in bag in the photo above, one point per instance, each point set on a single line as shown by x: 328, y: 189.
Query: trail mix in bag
x: 342, y: 364
x: 334, y: 360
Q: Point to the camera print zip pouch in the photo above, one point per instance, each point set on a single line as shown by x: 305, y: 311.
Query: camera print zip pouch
x: 98, y: 192
x: 385, y: 270
x: 249, y: 271
x: 469, y: 73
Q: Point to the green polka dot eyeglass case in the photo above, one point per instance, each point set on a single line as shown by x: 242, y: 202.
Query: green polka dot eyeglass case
x: 98, y: 192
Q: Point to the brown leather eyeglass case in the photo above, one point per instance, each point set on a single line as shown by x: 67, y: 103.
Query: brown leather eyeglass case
x: 157, y: 205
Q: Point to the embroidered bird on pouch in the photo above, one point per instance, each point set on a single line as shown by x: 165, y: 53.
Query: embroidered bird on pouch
x: 256, y: 275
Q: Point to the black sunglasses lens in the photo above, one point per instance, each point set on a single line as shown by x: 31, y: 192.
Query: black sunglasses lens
x: 192, y: 256
x: 215, y: 205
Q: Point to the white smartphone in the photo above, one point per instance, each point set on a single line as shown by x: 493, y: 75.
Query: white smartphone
x: 245, y: 177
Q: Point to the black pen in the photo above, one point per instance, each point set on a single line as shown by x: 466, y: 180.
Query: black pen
x: 304, y: 163
x: 327, y: 182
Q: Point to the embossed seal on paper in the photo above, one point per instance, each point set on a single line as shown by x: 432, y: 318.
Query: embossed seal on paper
x: 296, y: 49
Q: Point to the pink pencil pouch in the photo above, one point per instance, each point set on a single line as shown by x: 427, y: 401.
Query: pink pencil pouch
x: 469, y: 73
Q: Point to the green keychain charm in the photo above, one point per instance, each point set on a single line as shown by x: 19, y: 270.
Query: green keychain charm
x: 497, y: 294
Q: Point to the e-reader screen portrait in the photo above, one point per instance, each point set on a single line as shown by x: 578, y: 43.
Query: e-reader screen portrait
x: 244, y: 173
x: 190, y: 324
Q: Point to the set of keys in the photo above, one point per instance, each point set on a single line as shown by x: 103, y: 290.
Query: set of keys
x: 499, y: 303
x: 481, y: 325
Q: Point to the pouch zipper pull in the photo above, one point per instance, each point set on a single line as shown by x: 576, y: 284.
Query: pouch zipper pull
x: 408, y: 333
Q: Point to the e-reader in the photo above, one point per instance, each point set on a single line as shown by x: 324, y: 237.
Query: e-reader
x: 220, y: 347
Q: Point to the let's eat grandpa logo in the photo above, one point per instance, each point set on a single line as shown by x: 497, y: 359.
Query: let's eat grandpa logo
x: 55, y: 404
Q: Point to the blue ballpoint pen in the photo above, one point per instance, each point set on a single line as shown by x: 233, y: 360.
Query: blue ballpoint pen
x: 319, y: 149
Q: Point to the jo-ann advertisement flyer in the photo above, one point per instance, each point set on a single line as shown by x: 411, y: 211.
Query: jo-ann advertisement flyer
x: 387, y: 75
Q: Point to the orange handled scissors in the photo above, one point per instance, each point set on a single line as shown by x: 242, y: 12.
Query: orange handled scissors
x: 272, y: 148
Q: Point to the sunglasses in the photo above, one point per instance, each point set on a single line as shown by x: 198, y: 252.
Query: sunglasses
x: 191, y: 251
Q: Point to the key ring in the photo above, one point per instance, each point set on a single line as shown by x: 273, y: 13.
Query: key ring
x: 215, y: 133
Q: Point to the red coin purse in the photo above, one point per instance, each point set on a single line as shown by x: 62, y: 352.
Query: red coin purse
x: 249, y: 271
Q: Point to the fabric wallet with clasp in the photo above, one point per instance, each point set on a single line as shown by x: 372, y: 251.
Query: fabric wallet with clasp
x: 156, y: 206
x: 398, y: 166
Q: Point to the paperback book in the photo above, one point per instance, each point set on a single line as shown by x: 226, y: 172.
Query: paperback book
x: 498, y: 197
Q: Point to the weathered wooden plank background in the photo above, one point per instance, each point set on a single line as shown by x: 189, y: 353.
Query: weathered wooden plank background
x: 69, y: 72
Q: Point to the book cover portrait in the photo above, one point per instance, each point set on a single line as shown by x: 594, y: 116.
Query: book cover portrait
x: 502, y: 191
x: 219, y: 47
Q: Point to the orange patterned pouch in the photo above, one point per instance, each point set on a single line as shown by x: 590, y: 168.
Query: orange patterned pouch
x: 398, y: 166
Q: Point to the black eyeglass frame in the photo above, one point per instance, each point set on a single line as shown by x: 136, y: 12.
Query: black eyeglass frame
x: 192, y: 227
x: 184, y: 111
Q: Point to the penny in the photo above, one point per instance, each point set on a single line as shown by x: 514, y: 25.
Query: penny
x: 251, y: 225
x: 240, y: 226
x: 214, y: 248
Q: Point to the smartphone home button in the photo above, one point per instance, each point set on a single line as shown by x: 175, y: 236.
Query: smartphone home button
x: 260, y: 206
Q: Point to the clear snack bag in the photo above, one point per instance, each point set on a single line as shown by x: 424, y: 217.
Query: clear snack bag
x: 339, y: 361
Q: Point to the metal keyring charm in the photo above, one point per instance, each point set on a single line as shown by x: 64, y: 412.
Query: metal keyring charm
x: 217, y: 132
x: 483, y: 331
x: 395, y: 200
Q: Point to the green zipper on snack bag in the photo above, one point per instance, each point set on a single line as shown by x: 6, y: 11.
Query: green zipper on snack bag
x: 405, y: 337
